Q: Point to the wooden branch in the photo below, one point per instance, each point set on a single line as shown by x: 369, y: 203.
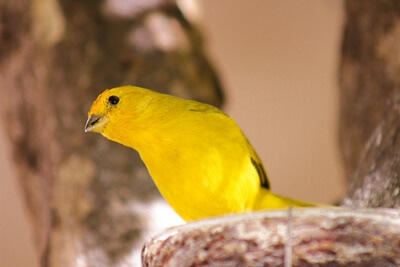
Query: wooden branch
x: 303, y: 237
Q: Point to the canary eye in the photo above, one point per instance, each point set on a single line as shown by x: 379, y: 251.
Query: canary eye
x: 113, y: 100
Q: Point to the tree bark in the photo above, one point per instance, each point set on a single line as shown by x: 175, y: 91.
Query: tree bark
x: 310, y: 237
x: 370, y: 103
x: 56, y: 56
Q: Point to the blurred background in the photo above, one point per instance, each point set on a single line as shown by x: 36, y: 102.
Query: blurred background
x: 278, y: 62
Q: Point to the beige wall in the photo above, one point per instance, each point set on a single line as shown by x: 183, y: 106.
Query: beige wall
x: 278, y: 61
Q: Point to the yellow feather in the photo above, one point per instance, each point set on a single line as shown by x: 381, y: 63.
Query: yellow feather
x: 198, y: 157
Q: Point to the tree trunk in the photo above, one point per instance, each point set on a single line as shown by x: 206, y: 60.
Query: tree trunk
x: 370, y: 103
x: 56, y: 56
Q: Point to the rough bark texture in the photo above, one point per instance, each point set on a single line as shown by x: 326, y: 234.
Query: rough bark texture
x: 304, y: 238
x: 370, y: 103
x: 56, y: 56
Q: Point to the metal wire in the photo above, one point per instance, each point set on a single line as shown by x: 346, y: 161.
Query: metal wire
x: 287, y: 259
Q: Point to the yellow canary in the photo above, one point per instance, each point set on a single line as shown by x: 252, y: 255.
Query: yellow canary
x: 198, y: 157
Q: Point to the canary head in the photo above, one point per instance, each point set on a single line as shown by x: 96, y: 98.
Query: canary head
x: 114, y: 106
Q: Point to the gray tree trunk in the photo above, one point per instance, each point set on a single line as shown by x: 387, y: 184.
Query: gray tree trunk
x: 56, y: 56
x: 370, y: 103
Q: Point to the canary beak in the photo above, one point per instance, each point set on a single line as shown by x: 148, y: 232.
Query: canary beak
x: 95, y: 123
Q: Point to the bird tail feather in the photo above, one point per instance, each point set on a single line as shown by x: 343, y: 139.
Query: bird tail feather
x: 267, y: 200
